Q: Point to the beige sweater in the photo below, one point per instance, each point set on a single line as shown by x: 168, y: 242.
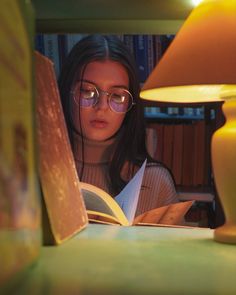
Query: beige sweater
x: 157, y: 188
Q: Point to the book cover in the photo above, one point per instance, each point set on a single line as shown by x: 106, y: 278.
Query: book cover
x: 58, y: 175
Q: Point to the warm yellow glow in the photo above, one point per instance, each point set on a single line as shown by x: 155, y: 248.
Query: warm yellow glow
x: 200, y: 59
x: 189, y: 94
x: 196, y: 2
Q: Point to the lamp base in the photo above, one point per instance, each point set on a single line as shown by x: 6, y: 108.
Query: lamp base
x: 225, y: 234
x: 223, y: 163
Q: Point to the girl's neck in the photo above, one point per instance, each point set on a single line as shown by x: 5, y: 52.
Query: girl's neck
x: 94, y: 151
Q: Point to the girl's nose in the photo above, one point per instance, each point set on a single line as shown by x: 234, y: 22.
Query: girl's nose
x: 102, y: 100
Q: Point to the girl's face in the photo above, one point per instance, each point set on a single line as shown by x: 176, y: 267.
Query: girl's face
x: 99, y: 122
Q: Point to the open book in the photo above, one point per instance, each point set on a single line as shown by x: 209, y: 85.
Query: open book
x: 102, y: 208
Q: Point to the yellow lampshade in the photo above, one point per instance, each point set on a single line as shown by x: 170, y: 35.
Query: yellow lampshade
x: 200, y: 66
x: 202, y: 58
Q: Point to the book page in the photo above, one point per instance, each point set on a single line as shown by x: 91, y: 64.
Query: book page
x: 172, y: 214
x: 128, y: 197
x: 102, y: 218
x: 100, y: 202
x: 151, y: 216
x: 176, y: 212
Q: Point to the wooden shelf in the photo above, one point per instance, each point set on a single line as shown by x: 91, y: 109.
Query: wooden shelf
x: 199, y: 197
x: 129, y: 16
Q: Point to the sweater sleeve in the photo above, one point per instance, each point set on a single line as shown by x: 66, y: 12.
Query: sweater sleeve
x: 157, y: 190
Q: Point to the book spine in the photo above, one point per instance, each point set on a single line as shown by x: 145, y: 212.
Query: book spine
x: 157, y: 48
x: 39, y: 43
x: 188, y: 148
x: 199, y: 153
x: 141, y: 55
x: 150, y: 53
x: 62, y: 49
x: 177, y: 153
x: 129, y: 42
x: 168, y: 145
x: 51, y: 50
x: 160, y: 142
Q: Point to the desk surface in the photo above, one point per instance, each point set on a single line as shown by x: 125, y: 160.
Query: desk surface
x: 106, y: 259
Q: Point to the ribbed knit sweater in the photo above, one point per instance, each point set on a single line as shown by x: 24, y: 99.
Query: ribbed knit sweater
x: 157, y: 187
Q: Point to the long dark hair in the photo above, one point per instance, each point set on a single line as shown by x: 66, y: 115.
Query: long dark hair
x: 131, y: 147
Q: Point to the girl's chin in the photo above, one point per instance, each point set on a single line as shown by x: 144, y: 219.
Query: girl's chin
x: 98, y: 137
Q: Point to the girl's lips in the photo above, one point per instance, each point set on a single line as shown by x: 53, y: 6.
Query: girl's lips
x: 99, y: 123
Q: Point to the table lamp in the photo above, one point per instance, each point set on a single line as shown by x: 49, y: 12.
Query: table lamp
x: 198, y: 67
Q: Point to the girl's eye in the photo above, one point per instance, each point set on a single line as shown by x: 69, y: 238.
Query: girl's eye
x: 118, y: 98
x: 87, y: 93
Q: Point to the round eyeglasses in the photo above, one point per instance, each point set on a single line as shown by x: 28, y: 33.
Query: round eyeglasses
x: 86, y: 95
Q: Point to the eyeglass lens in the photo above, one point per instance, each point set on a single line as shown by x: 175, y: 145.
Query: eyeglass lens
x: 87, y: 95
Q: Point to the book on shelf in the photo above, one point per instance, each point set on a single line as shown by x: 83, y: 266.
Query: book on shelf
x: 51, y: 50
x: 157, y: 48
x: 178, y: 153
x: 188, y: 149
x: 168, y: 145
x: 62, y: 49
x: 128, y: 39
x: 141, y: 56
x: 199, y: 153
x: 58, y: 176
x: 158, y: 155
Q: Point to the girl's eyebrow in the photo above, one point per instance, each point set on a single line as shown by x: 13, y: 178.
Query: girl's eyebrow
x: 115, y: 86
x: 84, y: 80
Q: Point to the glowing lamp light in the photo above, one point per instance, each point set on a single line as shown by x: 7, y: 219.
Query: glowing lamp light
x: 196, y: 2
x: 198, y: 67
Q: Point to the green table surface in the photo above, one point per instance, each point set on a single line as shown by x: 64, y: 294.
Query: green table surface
x: 105, y: 259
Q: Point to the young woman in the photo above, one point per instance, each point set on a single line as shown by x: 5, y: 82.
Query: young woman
x: 99, y: 89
